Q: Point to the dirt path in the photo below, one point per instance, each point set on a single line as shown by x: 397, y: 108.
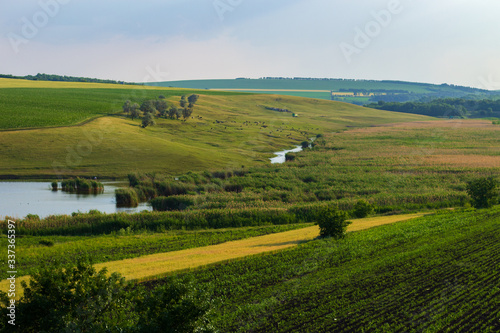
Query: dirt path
x: 155, y: 265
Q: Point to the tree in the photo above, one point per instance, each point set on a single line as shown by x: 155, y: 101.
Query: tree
x: 483, y: 192
x: 186, y: 113
x: 73, y: 298
x: 148, y: 107
x: 183, y: 101
x: 148, y: 120
x: 192, y: 99
x: 172, y: 112
x: 304, y: 144
x: 80, y: 299
x: 162, y: 106
x: 332, y: 222
x: 134, y: 111
x: 127, y: 106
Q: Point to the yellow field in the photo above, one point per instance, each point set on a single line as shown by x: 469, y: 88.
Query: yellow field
x: 160, y: 264
x: 18, y: 83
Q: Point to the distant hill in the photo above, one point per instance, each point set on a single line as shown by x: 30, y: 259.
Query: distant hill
x: 352, y: 91
x: 61, y: 78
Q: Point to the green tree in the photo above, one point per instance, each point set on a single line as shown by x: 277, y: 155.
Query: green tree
x: 135, y: 111
x: 148, y: 107
x: 192, y: 99
x: 73, y: 299
x: 162, y: 107
x: 127, y: 106
x: 172, y: 112
x: 483, y: 192
x: 304, y: 144
x: 183, y: 101
x: 80, y: 299
x: 148, y: 120
x: 332, y: 222
x: 186, y: 113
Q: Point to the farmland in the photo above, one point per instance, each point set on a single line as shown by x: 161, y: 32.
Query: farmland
x: 321, y: 88
x: 435, y: 273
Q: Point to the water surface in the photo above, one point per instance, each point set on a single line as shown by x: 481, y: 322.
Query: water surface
x: 17, y: 199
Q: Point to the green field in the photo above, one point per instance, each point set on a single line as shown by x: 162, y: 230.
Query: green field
x: 334, y: 85
x: 308, y: 87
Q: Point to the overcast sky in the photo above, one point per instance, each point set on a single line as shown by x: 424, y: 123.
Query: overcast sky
x: 436, y: 41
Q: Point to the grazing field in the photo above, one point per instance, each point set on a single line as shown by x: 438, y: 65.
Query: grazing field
x: 403, y: 167
x: 434, y: 273
x: 227, y: 130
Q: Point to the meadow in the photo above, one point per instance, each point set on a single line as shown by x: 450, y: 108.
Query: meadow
x: 227, y: 130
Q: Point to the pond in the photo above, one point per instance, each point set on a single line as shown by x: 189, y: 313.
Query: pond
x: 18, y: 199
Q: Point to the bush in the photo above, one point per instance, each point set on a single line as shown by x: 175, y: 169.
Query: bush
x: 332, y: 222
x: 54, y: 186
x: 80, y: 299
x: 290, y: 157
x: 483, y: 192
x: 362, y: 209
x: 172, y: 203
x: 304, y: 144
x: 126, y: 197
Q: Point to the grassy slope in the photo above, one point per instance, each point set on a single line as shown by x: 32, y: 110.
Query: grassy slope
x: 114, y: 146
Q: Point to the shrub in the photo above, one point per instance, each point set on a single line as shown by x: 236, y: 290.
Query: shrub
x: 54, y: 186
x: 304, y: 144
x: 289, y: 157
x: 126, y: 197
x: 81, y: 299
x: 332, y: 222
x: 46, y: 242
x: 172, y: 203
x: 483, y: 192
x: 362, y: 208
x: 233, y: 188
x: 33, y: 217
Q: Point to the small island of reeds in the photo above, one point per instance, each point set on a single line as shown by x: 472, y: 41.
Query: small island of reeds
x: 80, y: 186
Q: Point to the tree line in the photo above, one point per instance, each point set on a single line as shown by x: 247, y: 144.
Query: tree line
x: 62, y: 78
x: 160, y: 108
x: 444, y: 107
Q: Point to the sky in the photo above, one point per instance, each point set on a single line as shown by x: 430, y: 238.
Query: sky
x: 434, y: 41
